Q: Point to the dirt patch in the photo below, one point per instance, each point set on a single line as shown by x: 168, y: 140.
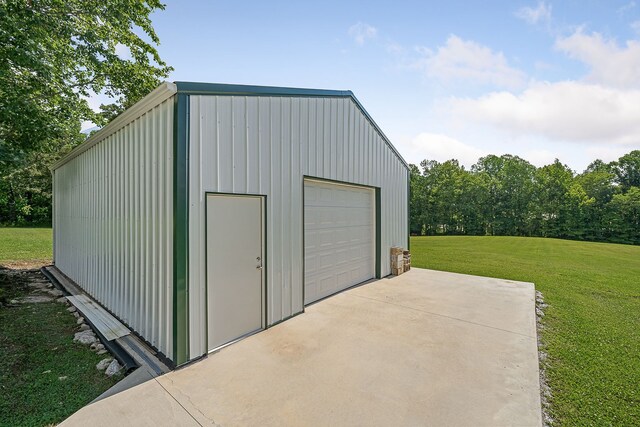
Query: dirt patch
x: 25, y: 285
x: 32, y: 264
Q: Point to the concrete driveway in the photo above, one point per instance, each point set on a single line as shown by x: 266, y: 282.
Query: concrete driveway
x: 424, y: 348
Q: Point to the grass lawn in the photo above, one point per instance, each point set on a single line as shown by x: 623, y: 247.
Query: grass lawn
x: 592, y: 324
x: 25, y: 244
x: 36, y: 351
x: 44, y: 375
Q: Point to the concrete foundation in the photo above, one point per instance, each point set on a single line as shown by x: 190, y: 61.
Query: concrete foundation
x: 423, y: 348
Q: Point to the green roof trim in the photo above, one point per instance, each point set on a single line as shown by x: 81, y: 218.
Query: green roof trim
x: 195, y: 88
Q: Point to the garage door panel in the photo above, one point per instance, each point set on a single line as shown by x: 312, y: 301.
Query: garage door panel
x: 342, y: 256
x: 357, y: 273
x: 339, y: 232
x: 360, y: 234
x: 327, y: 260
x: 341, y: 237
x: 344, y: 279
x: 310, y: 264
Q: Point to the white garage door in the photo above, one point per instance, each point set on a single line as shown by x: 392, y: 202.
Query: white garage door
x: 339, y: 236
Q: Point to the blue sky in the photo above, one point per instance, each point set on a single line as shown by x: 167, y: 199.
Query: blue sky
x: 454, y: 79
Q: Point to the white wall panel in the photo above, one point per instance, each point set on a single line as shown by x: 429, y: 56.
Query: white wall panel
x: 266, y: 145
x: 114, y: 225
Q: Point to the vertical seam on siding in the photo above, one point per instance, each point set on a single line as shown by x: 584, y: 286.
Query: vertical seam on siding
x: 245, y: 110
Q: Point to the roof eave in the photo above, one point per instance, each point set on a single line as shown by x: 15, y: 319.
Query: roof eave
x: 155, y: 97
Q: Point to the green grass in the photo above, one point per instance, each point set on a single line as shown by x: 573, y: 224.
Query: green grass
x: 25, y: 244
x: 592, y: 324
x: 36, y: 349
x: 36, y: 342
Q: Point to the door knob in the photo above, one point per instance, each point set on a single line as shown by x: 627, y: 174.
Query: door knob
x: 258, y: 267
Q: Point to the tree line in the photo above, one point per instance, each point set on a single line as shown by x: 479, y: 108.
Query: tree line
x: 508, y: 196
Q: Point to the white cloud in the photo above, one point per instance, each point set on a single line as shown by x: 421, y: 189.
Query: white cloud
x: 635, y: 26
x: 541, y: 13
x: 543, y: 66
x: 564, y: 111
x: 361, y: 32
x: 433, y: 146
x: 467, y: 60
x: 540, y: 157
x: 626, y: 8
x: 609, y: 64
x: 394, y: 48
x: 606, y: 153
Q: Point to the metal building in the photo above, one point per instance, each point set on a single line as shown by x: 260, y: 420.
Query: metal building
x: 207, y: 212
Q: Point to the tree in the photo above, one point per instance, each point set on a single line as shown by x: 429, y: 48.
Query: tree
x: 447, y: 199
x: 554, y: 198
x: 509, y: 181
x: 53, y: 55
x: 579, y: 215
x: 442, y: 187
x: 598, y: 166
x: 598, y: 185
x: 416, y: 201
x: 451, y: 183
x: 624, y: 217
x: 473, y: 201
x: 627, y: 170
x: 428, y: 215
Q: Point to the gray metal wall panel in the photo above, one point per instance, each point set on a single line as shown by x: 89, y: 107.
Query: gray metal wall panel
x: 113, y: 215
x: 265, y: 145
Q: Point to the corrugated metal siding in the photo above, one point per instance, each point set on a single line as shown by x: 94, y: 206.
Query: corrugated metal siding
x: 113, y: 223
x: 265, y: 145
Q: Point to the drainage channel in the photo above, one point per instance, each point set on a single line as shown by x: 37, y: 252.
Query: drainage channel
x: 139, y: 361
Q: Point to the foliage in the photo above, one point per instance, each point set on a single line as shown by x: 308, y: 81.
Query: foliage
x: 510, y: 182
x: 627, y: 170
x: 506, y: 195
x: 54, y: 55
x: 591, y: 327
x: 624, y: 216
x: 25, y: 190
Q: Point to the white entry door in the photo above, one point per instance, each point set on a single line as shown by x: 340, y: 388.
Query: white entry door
x: 235, y: 274
x: 339, y: 237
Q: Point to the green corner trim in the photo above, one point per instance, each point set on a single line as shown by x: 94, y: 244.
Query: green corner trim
x: 408, y: 210
x: 180, y: 229
x: 378, y: 235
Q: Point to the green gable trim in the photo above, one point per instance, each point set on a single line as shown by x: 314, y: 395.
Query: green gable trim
x: 180, y: 229
x: 193, y: 88
x: 196, y: 88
